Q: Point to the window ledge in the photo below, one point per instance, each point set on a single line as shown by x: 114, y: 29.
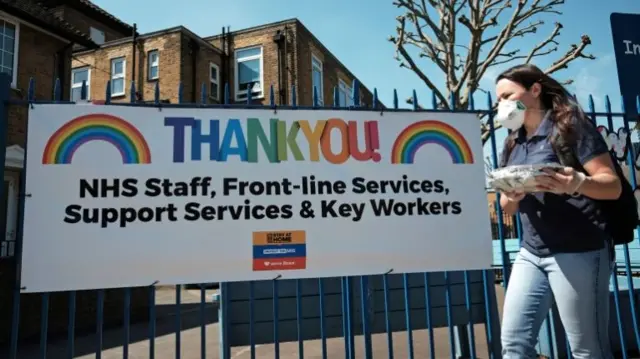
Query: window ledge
x: 153, y: 80
x: 118, y: 95
x: 261, y: 97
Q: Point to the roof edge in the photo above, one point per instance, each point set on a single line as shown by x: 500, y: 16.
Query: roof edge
x: 88, y: 4
x: 150, y: 35
x: 39, y: 22
x: 255, y: 28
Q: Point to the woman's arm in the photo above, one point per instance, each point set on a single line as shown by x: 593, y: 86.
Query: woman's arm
x: 591, y: 150
x: 602, y: 181
x: 509, y: 202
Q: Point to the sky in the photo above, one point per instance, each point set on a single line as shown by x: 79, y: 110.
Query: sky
x: 356, y: 32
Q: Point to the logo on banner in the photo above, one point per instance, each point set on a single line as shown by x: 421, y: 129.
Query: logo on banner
x: 423, y: 133
x: 279, y: 250
x: 66, y: 141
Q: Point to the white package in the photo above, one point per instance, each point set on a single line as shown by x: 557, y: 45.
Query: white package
x: 519, y: 178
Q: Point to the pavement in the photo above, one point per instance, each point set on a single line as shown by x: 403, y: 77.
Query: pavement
x: 190, y: 338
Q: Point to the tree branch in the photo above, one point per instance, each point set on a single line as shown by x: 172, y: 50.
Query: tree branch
x: 491, y: 26
x: 408, y: 61
x: 576, y: 52
x: 549, y: 40
x: 537, y: 51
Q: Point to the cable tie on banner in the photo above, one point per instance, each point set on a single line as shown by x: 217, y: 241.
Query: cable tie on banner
x: 389, y: 271
x: 154, y: 283
x: 278, y: 277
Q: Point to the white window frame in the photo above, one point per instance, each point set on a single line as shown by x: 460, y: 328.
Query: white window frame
x: 8, y: 246
x: 95, y: 31
x: 75, y: 86
x: 151, y: 64
x: 119, y: 76
x: 317, y: 65
x: 16, y: 47
x: 242, y: 95
x: 215, y: 81
x: 343, y: 87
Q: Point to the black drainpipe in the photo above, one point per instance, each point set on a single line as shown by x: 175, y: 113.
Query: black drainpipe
x: 223, y: 66
x: 60, y: 68
x: 134, y: 49
x: 228, y: 41
x: 279, y: 38
x: 194, y: 63
x: 287, y: 85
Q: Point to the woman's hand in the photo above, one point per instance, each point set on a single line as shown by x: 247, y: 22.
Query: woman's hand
x: 514, y: 196
x: 510, y: 201
x: 563, y: 181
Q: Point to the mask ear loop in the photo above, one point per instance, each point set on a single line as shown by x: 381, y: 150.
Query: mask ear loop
x: 544, y: 112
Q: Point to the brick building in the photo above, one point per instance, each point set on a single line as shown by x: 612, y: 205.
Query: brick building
x: 284, y: 54
x: 36, y: 44
x: 281, y: 54
x: 166, y: 57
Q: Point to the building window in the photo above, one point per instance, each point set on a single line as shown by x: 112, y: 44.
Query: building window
x: 344, y: 94
x: 248, y: 74
x: 118, y: 67
x: 153, y: 62
x: 96, y: 35
x: 9, y: 39
x: 214, y: 81
x: 316, y: 78
x: 77, y: 76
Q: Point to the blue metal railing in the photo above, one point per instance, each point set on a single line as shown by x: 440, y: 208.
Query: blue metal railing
x: 430, y: 301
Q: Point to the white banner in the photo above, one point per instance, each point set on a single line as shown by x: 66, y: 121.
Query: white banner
x: 126, y: 196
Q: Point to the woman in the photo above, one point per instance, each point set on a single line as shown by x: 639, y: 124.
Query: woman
x: 565, y: 251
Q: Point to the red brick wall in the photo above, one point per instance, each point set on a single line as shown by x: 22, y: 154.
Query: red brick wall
x: 37, y: 60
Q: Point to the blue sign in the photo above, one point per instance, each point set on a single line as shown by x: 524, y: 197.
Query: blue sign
x: 625, y: 29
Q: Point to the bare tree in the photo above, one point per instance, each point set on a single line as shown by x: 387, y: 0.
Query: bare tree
x: 432, y: 28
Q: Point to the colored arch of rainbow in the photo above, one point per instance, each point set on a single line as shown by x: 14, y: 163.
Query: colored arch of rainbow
x: 419, y: 134
x: 64, y: 143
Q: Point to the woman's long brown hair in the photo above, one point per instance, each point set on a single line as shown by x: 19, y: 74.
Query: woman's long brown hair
x: 553, y: 96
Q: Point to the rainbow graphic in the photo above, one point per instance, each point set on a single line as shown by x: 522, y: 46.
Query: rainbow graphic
x: 64, y: 143
x: 412, y: 138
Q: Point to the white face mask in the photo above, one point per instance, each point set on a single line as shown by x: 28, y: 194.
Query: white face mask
x: 511, y: 114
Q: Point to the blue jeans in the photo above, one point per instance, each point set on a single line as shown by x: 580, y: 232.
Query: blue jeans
x: 580, y: 285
